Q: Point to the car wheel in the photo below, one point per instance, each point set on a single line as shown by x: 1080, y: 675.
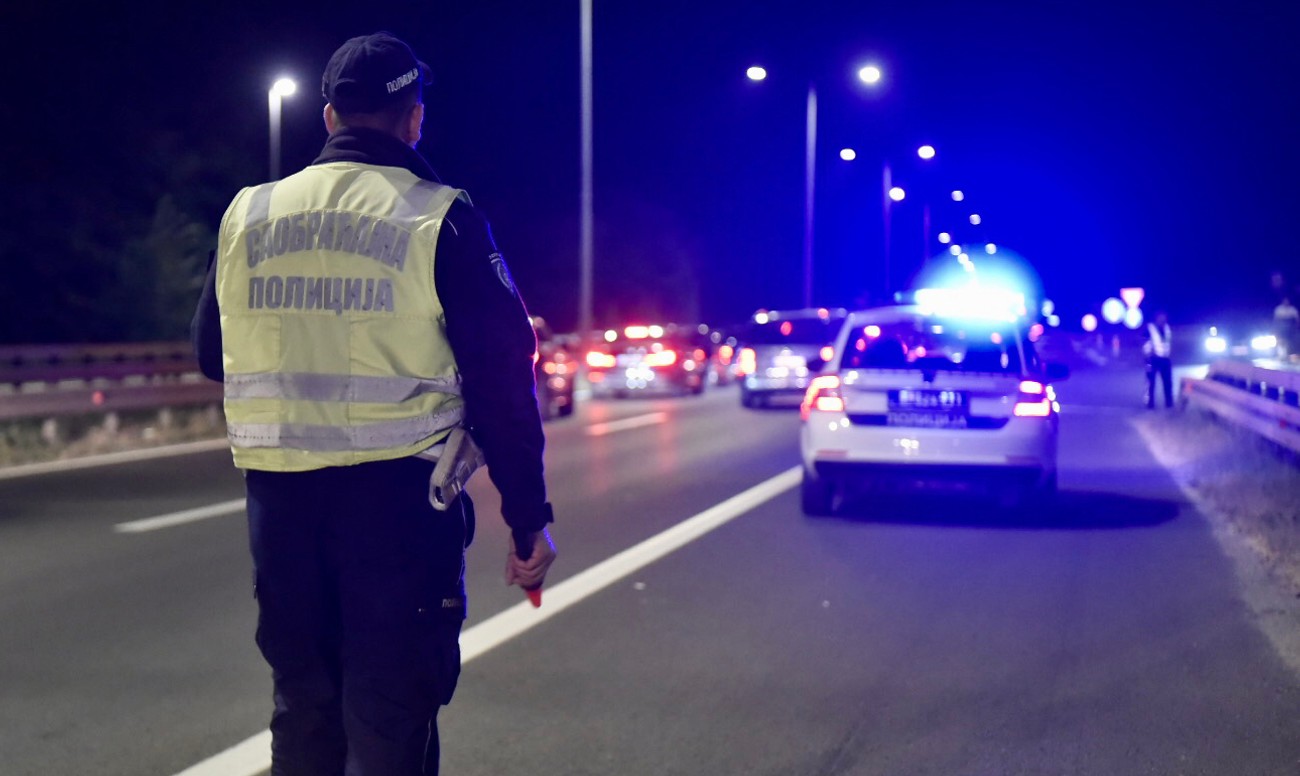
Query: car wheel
x: 815, y: 496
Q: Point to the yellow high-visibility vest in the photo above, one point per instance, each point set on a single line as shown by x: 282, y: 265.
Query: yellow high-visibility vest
x: 333, y: 339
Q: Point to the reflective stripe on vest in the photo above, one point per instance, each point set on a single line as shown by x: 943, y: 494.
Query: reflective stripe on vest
x: 331, y: 439
x: 1159, y: 342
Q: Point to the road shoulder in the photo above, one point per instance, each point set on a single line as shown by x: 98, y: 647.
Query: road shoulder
x: 1251, y: 498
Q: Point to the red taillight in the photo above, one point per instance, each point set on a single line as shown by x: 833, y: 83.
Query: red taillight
x: 662, y: 358
x: 1033, y: 409
x: 746, y: 362
x: 598, y: 360
x: 829, y: 404
x: 827, y: 353
x: 1034, y: 400
x: 823, y: 395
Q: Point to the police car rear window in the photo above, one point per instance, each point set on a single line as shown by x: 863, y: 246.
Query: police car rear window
x: 930, y: 345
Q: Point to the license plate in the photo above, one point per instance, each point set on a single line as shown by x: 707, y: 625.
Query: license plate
x: 926, y: 420
x: 944, y: 402
x: 628, y: 359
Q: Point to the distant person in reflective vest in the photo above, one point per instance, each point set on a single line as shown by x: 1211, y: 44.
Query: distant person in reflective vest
x: 363, y: 321
x: 1158, y: 349
x: 1286, y: 325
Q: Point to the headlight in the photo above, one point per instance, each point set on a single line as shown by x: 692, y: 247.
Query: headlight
x: 1263, y: 342
x: 1216, y: 344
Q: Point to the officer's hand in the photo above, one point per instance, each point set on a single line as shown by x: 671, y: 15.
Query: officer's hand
x: 529, y: 574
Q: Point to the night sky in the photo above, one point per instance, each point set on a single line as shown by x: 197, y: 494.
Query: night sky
x: 1126, y: 143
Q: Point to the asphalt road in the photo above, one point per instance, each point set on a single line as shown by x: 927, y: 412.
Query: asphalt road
x: 1107, y: 636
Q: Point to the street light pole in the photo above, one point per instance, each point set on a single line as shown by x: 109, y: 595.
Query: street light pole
x: 886, y: 183
x: 586, y: 248
x: 282, y: 88
x: 810, y: 180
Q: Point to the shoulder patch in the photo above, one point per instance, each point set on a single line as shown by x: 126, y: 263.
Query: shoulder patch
x: 503, y: 272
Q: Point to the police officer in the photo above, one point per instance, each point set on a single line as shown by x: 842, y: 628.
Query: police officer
x: 359, y: 311
x: 1159, y: 352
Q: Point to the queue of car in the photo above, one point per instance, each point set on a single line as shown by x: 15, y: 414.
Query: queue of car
x: 648, y: 359
x: 944, y: 392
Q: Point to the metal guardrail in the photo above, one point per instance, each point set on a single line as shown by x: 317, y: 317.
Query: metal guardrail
x: 41, y: 381
x: 1263, y: 399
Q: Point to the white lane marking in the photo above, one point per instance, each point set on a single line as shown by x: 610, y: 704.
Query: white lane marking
x: 248, y: 757
x: 182, y: 517
x: 522, y: 616
x: 1068, y: 408
x: 253, y: 755
x: 636, y: 421
x: 107, y: 459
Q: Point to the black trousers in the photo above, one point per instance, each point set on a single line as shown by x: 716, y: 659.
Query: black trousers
x: 360, y: 591
x: 1157, y: 365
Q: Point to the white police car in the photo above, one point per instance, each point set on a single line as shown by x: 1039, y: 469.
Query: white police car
x: 941, y: 395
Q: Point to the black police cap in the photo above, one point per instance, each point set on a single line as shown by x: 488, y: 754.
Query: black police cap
x: 370, y: 72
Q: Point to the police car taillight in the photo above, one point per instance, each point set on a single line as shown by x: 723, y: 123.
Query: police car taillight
x: 1033, y: 401
x: 823, y: 395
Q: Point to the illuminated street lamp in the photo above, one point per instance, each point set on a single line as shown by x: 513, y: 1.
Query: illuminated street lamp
x: 975, y: 219
x: 869, y: 75
x: 283, y: 87
x: 945, y: 238
x: 925, y: 152
x: 848, y: 154
x: 896, y: 193
x: 990, y: 249
x: 756, y: 73
x: 958, y: 196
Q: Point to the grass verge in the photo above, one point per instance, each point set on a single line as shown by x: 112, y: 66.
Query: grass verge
x: 38, y: 441
x: 1246, y: 483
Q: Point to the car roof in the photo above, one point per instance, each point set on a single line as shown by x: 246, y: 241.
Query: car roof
x: 905, y: 312
x: 806, y: 312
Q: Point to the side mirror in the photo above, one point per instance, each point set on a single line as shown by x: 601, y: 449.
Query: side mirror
x: 1057, y: 372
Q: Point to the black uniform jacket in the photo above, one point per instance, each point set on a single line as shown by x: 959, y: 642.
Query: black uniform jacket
x: 487, y: 326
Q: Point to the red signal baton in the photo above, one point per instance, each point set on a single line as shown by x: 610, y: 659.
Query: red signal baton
x: 524, y: 551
